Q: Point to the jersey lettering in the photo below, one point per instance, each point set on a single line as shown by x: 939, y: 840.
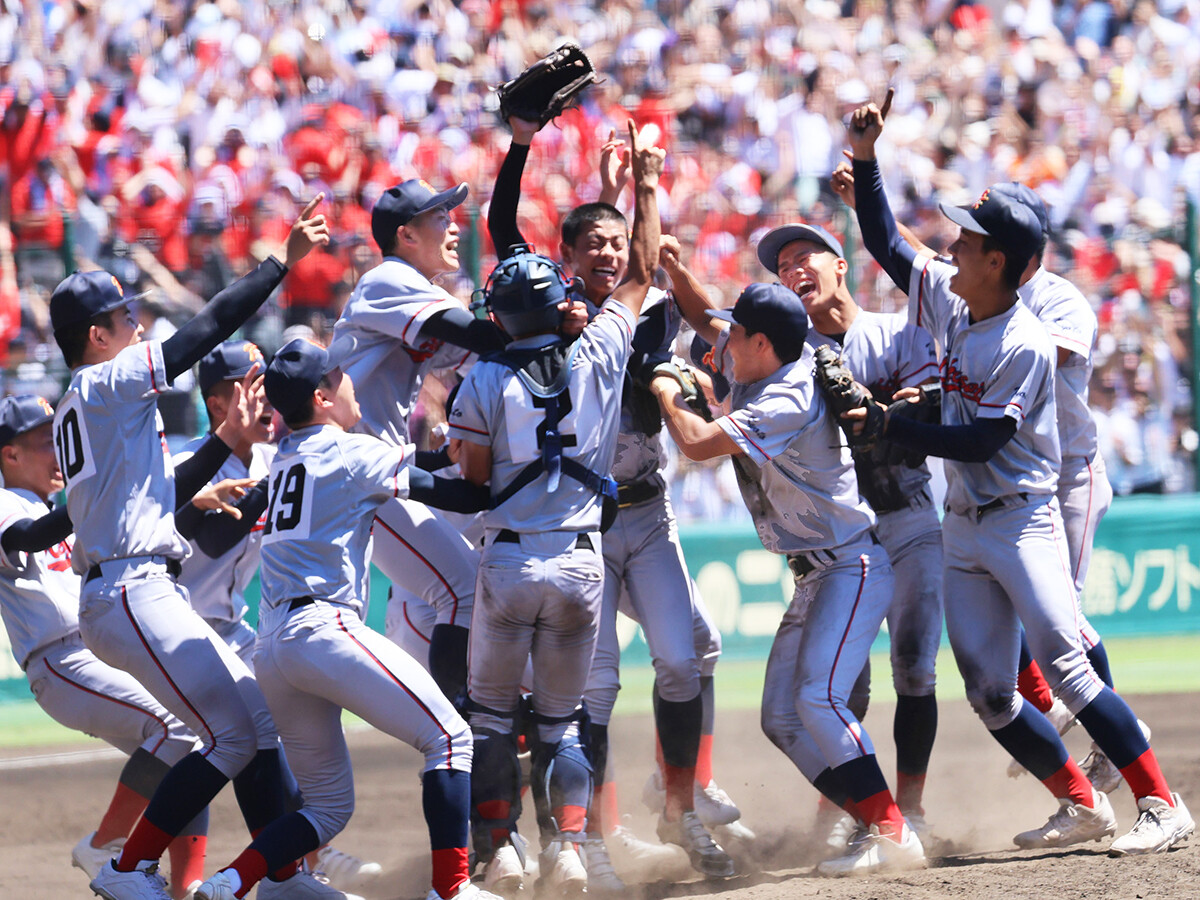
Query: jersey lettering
x: 288, y: 512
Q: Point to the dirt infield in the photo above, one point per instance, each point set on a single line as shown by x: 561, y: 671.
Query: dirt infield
x: 973, y: 807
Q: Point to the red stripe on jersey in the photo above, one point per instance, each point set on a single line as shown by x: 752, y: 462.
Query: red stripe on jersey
x: 932, y: 364
x: 404, y: 333
x: 413, y: 625
x: 747, y: 436
x: 472, y: 430
x: 396, y: 680
x: 150, y: 362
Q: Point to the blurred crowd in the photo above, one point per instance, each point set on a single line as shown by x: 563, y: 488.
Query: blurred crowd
x: 171, y: 142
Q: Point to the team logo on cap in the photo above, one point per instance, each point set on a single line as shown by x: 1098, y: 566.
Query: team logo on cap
x: 45, y: 405
x: 983, y: 198
x: 251, y: 350
x: 425, y: 184
x: 117, y: 285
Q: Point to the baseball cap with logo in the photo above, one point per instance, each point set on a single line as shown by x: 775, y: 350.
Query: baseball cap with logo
x: 1001, y: 217
x: 228, y: 361
x: 297, y: 369
x: 401, y: 203
x: 778, y: 238
x: 1029, y: 198
x: 84, y: 295
x: 774, y: 311
x: 22, y: 413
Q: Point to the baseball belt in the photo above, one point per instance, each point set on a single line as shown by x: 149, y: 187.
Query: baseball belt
x: 507, y: 536
x: 172, y: 565
x: 999, y: 502
x: 801, y: 563
x: 635, y: 492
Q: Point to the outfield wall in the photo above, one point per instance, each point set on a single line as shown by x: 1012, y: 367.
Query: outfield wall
x: 1145, y: 569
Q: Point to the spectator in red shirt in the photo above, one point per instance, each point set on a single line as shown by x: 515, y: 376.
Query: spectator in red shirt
x: 39, y: 200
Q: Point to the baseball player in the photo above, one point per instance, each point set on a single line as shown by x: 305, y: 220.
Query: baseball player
x: 405, y: 326
x: 644, y: 564
x: 798, y: 482
x: 885, y: 353
x: 121, y: 491
x: 1005, y: 556
x: 225, y: 553
x: 539, y: 422
x: 315, y: 655
x: 39, y: 601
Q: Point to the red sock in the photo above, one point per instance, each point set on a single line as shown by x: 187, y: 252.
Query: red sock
x: 497, y: 811
x: 188, y: 853
x: 1069, y: 783
x: 147, y: 841
x: 910, y: 789
x: 604, y: 807
x: 1032, y: 685
x: 1145, y: 778
x: 120, y: 817
x: 852, y: 808
x: 251, y: 868
x: 570, y: 818
x: 704, y: 761
x: 881, y: 810
x: 449, y: 870
x: 678, y: 781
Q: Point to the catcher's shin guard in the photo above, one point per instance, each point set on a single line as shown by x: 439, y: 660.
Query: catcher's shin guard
x: 495, y: 791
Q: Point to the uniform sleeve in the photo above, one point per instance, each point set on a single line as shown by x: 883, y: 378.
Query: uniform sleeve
x: 766, y: 427
x: 1018, y: 381
x: 468, y: 419
x: 137, y: 371
x: 11, y: 512
x: 380, y: 469
x: 399, y: 310
x: 920, y: 359
x: 1070, y: 322
x: 929, y: 298
x: 608, y: 339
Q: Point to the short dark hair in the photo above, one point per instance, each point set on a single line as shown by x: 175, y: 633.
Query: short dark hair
x: 581, y: 217
x: 302, y: 415
x: 1014, y: 266
x: 72, y: 340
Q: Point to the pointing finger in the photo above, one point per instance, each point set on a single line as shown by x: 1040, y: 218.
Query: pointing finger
x: 312, y: 205
x: 887, y: 103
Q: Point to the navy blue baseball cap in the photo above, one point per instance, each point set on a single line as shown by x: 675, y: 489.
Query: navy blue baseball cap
x: 1029, y: 198
x: 297, y: 369
x: 228, y: 361
x: 778, y: 238
x: 400, y: 204
x: 23, y: 413
x: 84, y: 295
x: 1003, y: 218
x: 773, y: 310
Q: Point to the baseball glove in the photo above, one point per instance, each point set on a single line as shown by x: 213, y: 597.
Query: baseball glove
x: 547, y: 87
x: 927, y: 408
x: 693, y: 394
x: 844, y: 394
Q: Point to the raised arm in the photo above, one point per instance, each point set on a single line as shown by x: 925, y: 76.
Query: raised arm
x: 689, y: 293
x: 647, y: 162
x: 506, y: 195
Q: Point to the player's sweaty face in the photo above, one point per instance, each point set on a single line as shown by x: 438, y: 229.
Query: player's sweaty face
x: 435, y: 234
x: 600, y: 256
x: 740, y: 347
x: 809, y: 270
x: 968, y: 255
x: 35, y: 461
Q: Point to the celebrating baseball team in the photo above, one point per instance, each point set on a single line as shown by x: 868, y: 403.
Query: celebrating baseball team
x: 512, y: 546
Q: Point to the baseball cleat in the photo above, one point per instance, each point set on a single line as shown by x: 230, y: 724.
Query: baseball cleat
x: 216, y: 888
x: 466, y: 891
x: 92, y: 859
x: 654, y: 795
x: 1073, y: 823
x: 1158, y: 828
x: 916, y: 821
x: 344, y: 871
x: 842, y: 832
x: 190, y: 893
x: 504, y: 875
x: 735, y: 831
x: 713, y: 805
x: 1100, y: 770
x: 602, y: 877
x: 301, y: 886
x: 641, y: 860
x: 562, y: 869
x: 878, y: 853
x: 1060, y: 717
x: 143, y: 883
x: 706, y: 855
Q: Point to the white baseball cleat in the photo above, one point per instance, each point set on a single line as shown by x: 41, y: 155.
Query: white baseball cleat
x: 641, y: 860
x: 916, y: 821
x: 706, y: 855
x: 1074, y: 823
x: 562, y: 869
x: 92, y: 859
x: 504, y: 875
x: 878, y: 853
x: 1060, y: 717
x: 1158, y: 828
x: 344, y: 871
x: 654, y: 795
x: 713, y: 805
x: 466, y: 891
x: 602, y: 876
x: 218, y: 887
x: 301, y: 886
x: 735, y: 831
x: 143, y: 883
x: 842, y: 831
x: 190, y: 893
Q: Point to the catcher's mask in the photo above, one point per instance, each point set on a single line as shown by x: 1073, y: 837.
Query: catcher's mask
x: 523, y: 293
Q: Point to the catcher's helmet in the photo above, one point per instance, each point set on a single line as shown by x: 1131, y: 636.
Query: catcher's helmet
x: 524, y: 291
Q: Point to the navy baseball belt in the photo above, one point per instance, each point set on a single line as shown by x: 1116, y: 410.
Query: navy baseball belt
x: 999, y: 502
x: 119, y: 566
x: 300, y: 602
x: 583, y: 540
x: 635, y: 492
x: 802, y: 563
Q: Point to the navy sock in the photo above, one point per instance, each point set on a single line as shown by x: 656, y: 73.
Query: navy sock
x: 183, y: 793
x: 708, y: 697
x: 1026, y: 657
x: 446, y: 801
x: 914, y: 729
x: 1031, y: 740
x: 1098, y: 657
x: 830, y: 784
x: 448, y: 658
x: 260, y: 792
x: 597, y: 750
x: 679, y: 724
x: 862, y: 777
x: 286, y: 840
x: 1114, y: 728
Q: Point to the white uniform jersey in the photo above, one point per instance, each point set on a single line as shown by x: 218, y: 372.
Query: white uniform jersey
x: 217, y: 586
x: 110, y: 446
x: 39, y: 593
x: 797, y: 475
x: 325, y: 486
x: 1071, y: 323
x: 385, y: 314
x: 494, y: 408
x: 641, y: 456
x: 886, y: 353
x: 1002, y: 366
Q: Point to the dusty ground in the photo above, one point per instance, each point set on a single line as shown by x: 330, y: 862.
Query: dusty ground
x: 973, y: 807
